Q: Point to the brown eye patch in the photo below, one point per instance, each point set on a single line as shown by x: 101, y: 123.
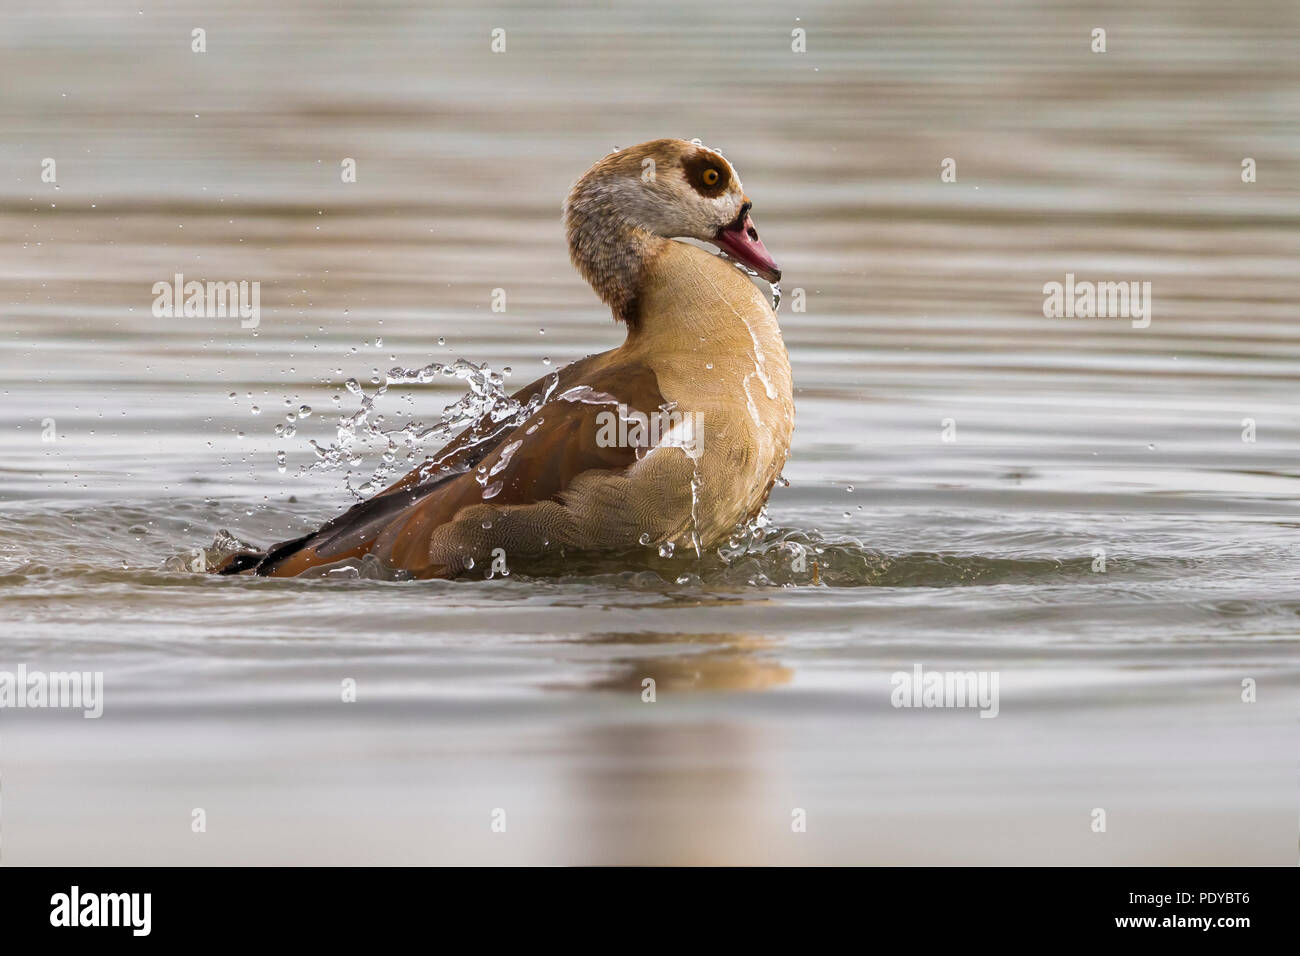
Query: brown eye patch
x: 707, y: 173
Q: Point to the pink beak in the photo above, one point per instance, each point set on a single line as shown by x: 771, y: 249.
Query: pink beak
x: 740, y: 241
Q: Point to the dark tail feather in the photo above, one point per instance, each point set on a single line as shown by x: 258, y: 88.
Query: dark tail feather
x: 266, y: 561
x: 355, y: 528
x: 253, y: 561
x: 236, y: 563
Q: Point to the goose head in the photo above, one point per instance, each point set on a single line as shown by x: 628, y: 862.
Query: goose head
x: 635, y: 198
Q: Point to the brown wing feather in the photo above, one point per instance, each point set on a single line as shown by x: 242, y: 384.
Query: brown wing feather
x: 533, y: 462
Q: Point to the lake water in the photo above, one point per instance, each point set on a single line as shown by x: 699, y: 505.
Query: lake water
x: 1071, y: 504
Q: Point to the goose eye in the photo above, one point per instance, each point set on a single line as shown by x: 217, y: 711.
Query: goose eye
x: 710, y: 177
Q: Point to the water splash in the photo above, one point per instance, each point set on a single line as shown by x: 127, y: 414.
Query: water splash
x: 366, y: 433
x: 586, y: 395
x: 695, y: 508
x: 201, y: 560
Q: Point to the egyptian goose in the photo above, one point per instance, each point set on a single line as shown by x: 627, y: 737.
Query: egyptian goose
x: 703, y: 355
